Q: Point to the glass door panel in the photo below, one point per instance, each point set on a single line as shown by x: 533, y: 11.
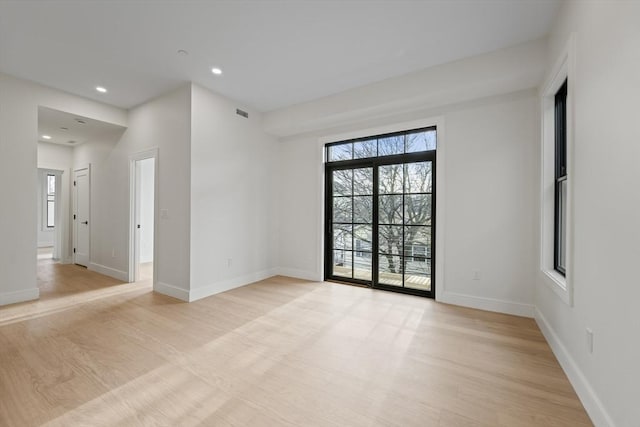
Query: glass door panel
x: 352, y: 223
x: 404, y: 244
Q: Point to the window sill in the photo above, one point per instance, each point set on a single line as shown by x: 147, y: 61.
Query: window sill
x: 558, y: 284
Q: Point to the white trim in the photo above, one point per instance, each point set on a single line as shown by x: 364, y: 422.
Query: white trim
x: 487, y: 304
x: 439, y: 123
x: 19, y: 296
x: 295, y: 273
x: 441, y: 194
x: 108, y: 271
x: 152, y: 153
x: 563, y: 69
x: 170, y: 290
x: 74, y: 192
x: 225, y: 285
x: 594, y: 407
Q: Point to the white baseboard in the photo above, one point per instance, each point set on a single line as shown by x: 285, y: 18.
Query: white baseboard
x: 299, y: 274
x: 585, y: 392
x: 172, y: 291
x: 19, y: 296
x: 45, y: 244
x: 108, y: 271
x: 488, y: 304
x: 225, y: 285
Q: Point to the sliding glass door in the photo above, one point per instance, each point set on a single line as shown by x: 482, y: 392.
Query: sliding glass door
x: 404, y: 225
x: 352, y: 223
x: 380, y: 200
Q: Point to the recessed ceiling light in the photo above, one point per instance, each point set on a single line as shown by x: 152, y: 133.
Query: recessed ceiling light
x: 217, y: 71
x: 46, y: 137
x: 101, y: 89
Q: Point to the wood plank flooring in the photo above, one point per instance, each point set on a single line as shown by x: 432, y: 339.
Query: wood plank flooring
x: 280, y: 352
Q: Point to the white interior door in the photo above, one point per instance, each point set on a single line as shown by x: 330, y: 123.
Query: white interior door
x: 81, y: 217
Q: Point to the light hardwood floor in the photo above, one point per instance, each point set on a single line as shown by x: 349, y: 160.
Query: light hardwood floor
x: 280, y: 352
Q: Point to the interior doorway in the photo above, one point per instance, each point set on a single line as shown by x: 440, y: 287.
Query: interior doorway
x: 143, y: 173
x: 81, y: 214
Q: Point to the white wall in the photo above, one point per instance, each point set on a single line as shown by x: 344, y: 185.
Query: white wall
x: 489, y: 212
x: 489, y: 109
x: 606, y: 212
x: 162, y: 123
x: 488, y: 202
x: 232, y: 196
x: 52, y: 156
x: 19, y: 101
x: 147, y: 173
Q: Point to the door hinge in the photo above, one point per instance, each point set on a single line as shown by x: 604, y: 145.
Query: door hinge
x: 74, y: 183
x: 74, y: 250
x: 74, y: 216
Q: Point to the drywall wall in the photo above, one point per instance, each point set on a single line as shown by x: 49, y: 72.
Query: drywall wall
x: 487, y: 201
x: 162, y: 123
x: 52, y: 156
x: 232, y: 196
x: 606, y: 232
x: 19, y: 101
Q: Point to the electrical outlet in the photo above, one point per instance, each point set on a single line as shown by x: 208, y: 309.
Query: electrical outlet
x: 476, y: 274
x: 590, y: 340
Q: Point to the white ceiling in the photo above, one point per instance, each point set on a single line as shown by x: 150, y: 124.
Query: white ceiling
x: 273, y: 53
x: 78, y: 129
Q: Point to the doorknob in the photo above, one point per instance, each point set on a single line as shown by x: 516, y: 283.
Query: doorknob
x: 85, y: 222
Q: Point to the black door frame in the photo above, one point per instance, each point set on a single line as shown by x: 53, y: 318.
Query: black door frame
x: 374, y: 163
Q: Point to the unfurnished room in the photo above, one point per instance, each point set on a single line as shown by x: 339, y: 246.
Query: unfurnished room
x: 319, y: 213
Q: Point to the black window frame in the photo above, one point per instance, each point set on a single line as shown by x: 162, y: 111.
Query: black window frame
x: 374, y: 162
x: 560, y: 175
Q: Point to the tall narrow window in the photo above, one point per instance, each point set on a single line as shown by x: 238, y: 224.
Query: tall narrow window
x: 560, y: 208
x: 51, y: 201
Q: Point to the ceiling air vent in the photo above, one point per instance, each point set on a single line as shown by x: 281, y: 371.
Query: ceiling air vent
x: 71, y: 142
x: 242, y: 113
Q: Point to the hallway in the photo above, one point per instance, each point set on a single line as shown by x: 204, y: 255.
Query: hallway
x: 63, y: 286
